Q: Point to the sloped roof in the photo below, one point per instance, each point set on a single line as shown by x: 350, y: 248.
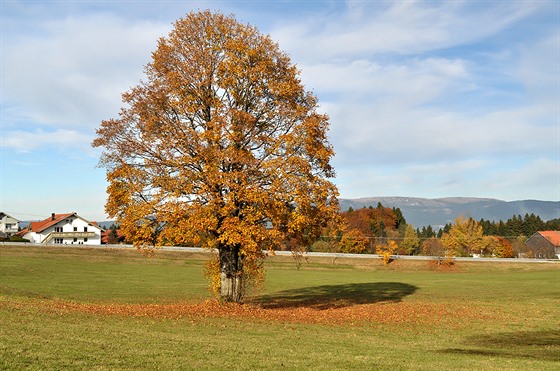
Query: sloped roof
x: 3, y: 214
x: 552, y: 236
x: 38, y: 227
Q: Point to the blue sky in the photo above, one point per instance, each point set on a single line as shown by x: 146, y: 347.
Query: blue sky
x: 426, y: 98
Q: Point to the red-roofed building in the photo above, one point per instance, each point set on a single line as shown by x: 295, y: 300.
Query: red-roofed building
x: 545, y: 244
x: 63, y: 229
x: 117, y: 238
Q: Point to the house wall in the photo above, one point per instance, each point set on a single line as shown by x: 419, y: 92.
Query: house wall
x: 32, y: 237
x: 9, y: 225
x: 540, y: 247
x: 69, y: 225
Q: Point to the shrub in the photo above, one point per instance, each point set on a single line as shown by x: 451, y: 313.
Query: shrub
x: 386, y: 250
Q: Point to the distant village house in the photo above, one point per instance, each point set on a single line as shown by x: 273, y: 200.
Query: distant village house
x: 544, y: 244
x: 8, y: 225
x: 63, y: 229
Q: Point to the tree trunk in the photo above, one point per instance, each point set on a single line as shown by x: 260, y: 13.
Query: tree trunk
x: 231, y: 274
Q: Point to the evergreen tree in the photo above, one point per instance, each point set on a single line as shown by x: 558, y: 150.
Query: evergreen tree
x: 552, y: 225
x: 514, y: 226
x: 430, y: 232
x: 112, y: 237
x: 532, y: 224
x: 400, y: 223
x: 501, y: 229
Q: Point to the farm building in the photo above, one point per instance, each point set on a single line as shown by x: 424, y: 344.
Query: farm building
x: 544, y: 244
x: 63, y: 229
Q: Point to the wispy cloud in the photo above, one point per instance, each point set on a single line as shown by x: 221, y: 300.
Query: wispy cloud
x: 402, y: 27
x: 62, y: 139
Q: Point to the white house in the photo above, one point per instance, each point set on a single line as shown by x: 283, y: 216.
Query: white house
x: 63, y: 229
x: 8, y: 225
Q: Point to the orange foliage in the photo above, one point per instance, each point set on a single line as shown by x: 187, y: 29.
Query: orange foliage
x: 359, y: 220
x: 386, y: 250
x: 222, y: 147
x: 433, y: 247
x: 354, y: 242
x: 503, y: 248
x: 499, y: 247
x: 370, y: 221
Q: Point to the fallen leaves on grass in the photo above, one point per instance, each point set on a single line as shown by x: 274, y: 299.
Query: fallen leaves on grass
x: 382, y: 313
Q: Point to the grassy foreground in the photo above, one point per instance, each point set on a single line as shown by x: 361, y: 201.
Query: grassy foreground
x: 116, y: 309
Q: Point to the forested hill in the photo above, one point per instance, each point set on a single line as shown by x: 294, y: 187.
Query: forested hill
x: 440, y: 211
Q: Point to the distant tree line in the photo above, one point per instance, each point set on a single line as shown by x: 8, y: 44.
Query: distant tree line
x: 519, y: 226
x: 512, y: 228
x: 385, y: 231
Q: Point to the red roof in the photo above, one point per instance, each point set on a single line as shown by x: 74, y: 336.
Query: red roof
x: 552, y: 236
x: 44, y: 224
x: 105, y: 236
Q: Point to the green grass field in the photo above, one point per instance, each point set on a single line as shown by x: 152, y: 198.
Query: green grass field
x: 117, y: 309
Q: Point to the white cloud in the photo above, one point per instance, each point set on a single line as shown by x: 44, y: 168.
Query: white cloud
x: 71, y: 72
x: 63, y: 139
x: 539, y: 69
x: 416, y: 80
x: 378, y: 135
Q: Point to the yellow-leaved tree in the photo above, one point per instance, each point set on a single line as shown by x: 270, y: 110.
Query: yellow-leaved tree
x: 410, y: 242
x: 221, y: 146
x: 465, y: 237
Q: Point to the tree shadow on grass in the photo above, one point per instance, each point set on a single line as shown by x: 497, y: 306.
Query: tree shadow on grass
x: 337, y: 296
x: 543, y: 344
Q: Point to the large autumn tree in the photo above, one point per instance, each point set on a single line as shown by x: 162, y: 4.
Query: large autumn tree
x: 221, y: 146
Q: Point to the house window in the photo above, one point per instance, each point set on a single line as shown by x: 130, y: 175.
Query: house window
x: 58, y: 240
x: 58, y: 229
x: 75, y: 239
x: 85, y: 229
x: 85, y: 240
x: 75, y: 229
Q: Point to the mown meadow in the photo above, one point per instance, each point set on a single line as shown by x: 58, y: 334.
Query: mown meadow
x: 63, y: 307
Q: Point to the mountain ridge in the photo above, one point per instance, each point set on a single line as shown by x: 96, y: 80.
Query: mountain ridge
x: 440, y: 211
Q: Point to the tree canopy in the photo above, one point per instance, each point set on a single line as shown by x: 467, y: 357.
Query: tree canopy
x: 464, y: 238
x: 221, y: 146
